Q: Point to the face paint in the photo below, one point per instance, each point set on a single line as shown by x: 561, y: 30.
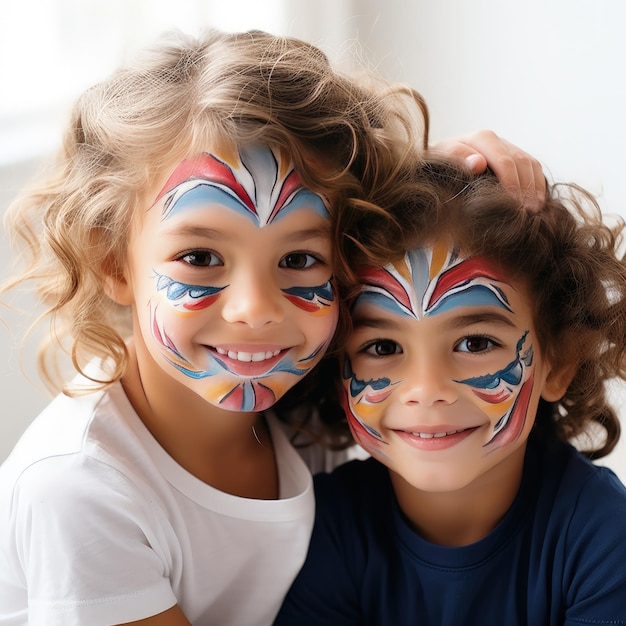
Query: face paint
x: 371, y: 393
x: 509, y: 388
x: 239, y: 305
x: 187, y: 297
x: 254, y: 183
x: 247, y: 394
x: 426, y: 283
x: 440, y: 362
x: 315, y: 300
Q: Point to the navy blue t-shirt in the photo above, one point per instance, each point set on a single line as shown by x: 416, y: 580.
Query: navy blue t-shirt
x: 558, y: 557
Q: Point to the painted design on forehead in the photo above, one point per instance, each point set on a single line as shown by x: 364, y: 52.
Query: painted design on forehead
x: 509, y: 390
x: 316, y: 300
x: 428, y: 281
x: 255, y: 182
x: 187, y: 297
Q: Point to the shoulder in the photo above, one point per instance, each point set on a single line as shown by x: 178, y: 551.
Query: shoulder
x: 579, y: 520
x: 352, y: 534
x: 594, y: 535
x: 598, y: 499
x: 58, y: 433
x: 70, y: 424
x: 584, y: 486
x: 77, y: 450
x: 59, y: 429
x: 571, y: 491
x: 74, y: 493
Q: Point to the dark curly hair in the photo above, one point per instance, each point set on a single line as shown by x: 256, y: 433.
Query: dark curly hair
x: 567, y: 254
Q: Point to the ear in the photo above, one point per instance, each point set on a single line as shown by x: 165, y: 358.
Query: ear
x: 118, y: 289
x: 116, y: 284
x: 557, y: 382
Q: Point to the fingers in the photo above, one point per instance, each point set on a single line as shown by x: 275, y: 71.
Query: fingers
x: 456, y: 147
x: 519, y: 172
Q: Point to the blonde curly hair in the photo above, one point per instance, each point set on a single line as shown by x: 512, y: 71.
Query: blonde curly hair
x: 175, y: 99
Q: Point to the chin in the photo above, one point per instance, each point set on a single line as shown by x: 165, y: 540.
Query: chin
x: 434, y: 480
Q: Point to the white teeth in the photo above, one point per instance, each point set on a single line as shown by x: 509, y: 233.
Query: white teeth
x: 431, y: 435
x: 246, y: 357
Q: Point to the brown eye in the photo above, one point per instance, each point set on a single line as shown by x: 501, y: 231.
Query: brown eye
x: 298, y: 261
x: 200, y: 258
x: 475, y: 344
x: 383, y: 347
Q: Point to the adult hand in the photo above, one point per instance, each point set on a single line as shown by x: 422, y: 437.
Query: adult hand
x: 517, y: 170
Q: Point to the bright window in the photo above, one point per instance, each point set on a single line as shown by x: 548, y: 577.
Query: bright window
x: 51, y: 50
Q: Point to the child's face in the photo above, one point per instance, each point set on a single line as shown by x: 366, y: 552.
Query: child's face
x: 230, y: 273
x: 443, y: 373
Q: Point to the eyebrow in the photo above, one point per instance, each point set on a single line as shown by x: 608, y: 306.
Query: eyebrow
x: 193, y: 230
x: 364, y: 321
x: 310, y: 233
x: 461, y: 321
x: 488, y: 317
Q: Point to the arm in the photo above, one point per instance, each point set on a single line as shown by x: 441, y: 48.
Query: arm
x: 171, y: 617
x: 517, y: 170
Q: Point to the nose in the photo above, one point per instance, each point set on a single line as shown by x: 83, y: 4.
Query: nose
x: 428, y: 384
x: 253, y: 298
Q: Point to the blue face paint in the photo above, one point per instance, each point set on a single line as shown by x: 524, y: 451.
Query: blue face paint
x: 258, y: 186
x: 185, y: 296
x: 511, y: 374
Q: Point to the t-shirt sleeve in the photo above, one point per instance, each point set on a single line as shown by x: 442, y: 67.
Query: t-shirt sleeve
x: 326, y: 590
x: 87, y: 546
x: 595, y: 572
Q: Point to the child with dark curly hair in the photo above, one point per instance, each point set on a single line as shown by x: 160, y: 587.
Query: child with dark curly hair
x: 475, y: 376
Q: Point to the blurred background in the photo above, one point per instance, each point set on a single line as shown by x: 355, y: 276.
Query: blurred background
x: 549, y: 75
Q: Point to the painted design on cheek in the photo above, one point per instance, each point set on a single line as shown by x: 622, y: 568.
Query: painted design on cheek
x: 430, y: 281
x: 187, y: 297
x: 255, y: 182
x: 237, y: 392
x: 510, y: 389
x: 360, y: 400
x: 316, y: 300
x: 252, y: 395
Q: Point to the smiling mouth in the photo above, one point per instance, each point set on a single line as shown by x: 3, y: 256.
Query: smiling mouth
x: 247, y: 357
x: 437, y: 435
x: 435, y: 441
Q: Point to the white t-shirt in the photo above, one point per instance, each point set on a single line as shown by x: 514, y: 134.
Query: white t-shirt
x: 99, y: 525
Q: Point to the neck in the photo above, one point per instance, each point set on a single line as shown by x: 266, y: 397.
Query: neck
x: 231, y: 451
x: 466, y: 515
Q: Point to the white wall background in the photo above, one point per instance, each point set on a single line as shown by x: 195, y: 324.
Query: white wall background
x: 548, y: 75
